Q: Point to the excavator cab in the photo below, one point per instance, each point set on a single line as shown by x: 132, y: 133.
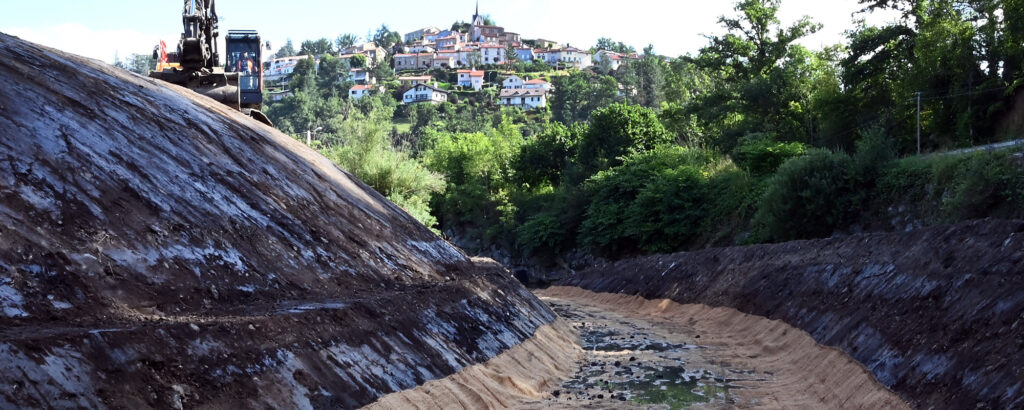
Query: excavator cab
x: 245, y: 57
x: 194, y: 65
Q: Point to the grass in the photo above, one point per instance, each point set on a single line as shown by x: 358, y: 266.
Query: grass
x: 403, y: 125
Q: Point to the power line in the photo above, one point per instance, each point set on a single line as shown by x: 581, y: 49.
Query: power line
x: 948, y: 96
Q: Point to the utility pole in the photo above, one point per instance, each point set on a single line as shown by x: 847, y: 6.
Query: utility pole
x: 918, y: 123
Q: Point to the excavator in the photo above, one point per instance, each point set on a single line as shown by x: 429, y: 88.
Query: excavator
x: 238, y: 84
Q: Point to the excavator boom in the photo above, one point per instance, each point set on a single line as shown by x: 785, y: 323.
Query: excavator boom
x: 195, y: 63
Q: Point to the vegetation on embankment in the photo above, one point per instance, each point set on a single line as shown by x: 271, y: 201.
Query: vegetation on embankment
x: 752, y: 139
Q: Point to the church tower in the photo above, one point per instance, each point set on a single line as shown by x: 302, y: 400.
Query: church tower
x: 478, y: 20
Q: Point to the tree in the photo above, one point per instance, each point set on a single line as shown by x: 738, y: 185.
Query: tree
x: 475, y: 59
x: 605, y: 43
x: 542, y: 160
x: 645, y: 76
x: 579, y: 94
x: 140, y: 64
x: 760, y: 76
x: 512, y: 57
x: 385, y: 38
x: 357, y: 61
x: 287, y: 50
x: 461, y: 26
x: 345, y: 41
x: 303, y: 77
x: 316, y: 47
x: 618, y: 130
x: 331, y: 75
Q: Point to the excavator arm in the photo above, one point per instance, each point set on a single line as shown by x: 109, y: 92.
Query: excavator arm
x: 197, y: 61
x: 198, y: 46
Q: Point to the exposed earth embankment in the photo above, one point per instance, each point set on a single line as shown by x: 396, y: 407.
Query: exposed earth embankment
x: 937, y: 314
x: 159, y: 250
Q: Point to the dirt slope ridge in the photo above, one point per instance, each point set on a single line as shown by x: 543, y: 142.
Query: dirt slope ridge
x: 160, y: 250
x: 937, y: 314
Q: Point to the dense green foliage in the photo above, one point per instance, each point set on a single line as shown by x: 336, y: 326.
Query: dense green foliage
x: 754, y: 138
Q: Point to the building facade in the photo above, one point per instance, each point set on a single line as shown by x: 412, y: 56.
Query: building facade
x: 471, y: 79
x: 424, y: 93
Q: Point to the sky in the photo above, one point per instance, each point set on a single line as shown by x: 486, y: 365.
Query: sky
x: 101, y: 29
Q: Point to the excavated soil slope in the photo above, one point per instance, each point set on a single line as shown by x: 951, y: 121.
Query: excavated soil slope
x: 160, y: 250
x: 937, y: 315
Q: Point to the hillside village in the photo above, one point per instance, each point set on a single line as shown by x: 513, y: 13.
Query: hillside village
x: 430, y: 64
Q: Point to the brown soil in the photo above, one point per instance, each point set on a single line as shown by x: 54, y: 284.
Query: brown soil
x: 937, y: 314
x: 526, y: 372
x: 758, y: 363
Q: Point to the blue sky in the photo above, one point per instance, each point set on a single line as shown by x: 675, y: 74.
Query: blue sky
x: 101, y: 28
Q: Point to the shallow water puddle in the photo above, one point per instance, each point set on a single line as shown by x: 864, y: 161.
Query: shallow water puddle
x: 629, y: 364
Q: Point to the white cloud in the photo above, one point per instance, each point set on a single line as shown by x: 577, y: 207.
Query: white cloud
x: 79, y: 39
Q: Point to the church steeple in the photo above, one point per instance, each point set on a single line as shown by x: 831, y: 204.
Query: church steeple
x: 476, y: 16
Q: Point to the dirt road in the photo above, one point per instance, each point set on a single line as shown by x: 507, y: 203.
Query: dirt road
x: 659, y: 354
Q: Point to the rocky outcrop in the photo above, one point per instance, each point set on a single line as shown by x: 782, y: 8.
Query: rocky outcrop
x: 160, y: 250
x: 937, y: 314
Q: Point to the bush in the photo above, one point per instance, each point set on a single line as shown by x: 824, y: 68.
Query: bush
x: 631, y: 206
x: 669, y: 211
x: 810, y: 197
x: 550, y: 222
x: 762, y: 156
x: 619, y: 130
x: 944, y: 189
x: 368, y: 154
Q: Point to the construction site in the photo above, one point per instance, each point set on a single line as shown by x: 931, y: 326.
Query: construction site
x: 162, y: 249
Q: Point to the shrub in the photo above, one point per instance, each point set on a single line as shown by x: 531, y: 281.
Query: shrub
x: 550, y: 219
x: 810, y: 197
x: 762, y: 156
x: 368, y: 155
x: 619, y: 130
x: 652, y: 192
x: 668, y: 212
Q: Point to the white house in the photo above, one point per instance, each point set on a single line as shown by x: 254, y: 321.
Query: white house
x: 276, y: 96
x: 541, y: 54
x: 492, y: 54
x: 453, y: 42
x: 466, y: 55
x: 444, y: 60
x: 615, y: 60
x: 471, y: 78
x: 281, y: 68
x: 360, y: 91
x: 524, y: 98
x: 572, y: 57
x: 513, y: 83
x: 421, y: 34
x: 420, y: 48
x: 410, y: 81
x: 361, y: 76
x: 413, y: 61
x: 537, y: 84
x: 425, y: 93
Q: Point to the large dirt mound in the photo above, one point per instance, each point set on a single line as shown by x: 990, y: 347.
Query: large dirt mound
x: 160, y: 250
x: 936, y: 314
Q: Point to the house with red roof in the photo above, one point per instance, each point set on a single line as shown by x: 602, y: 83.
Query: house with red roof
x: 471, y: 78
x: 360, y: 91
